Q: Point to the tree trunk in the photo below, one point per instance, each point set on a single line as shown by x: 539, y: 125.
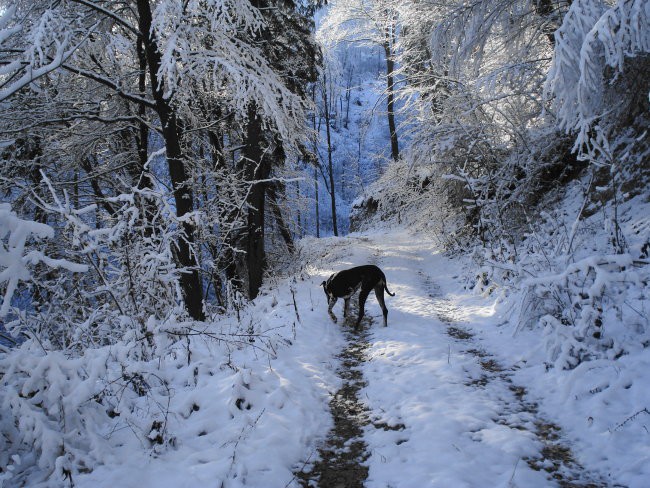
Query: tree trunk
x: 316, y: 130
x: 317, y: 203
x: 550, y: 13
x: 139, y: 171
x: 390, y: 90
x: 143, y: 129
x: 171, y: 131
x: 257, y: 167
x: 283, y: 227
x: 348, y: 96
x: 100, y: 198
x: 329, y: 155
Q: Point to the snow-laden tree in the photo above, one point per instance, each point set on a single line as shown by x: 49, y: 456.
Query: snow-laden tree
x: 142, y: 138
x: 599, y: 82
x: 473, y: 76
x: 149, y: 69
x: 499, y: 102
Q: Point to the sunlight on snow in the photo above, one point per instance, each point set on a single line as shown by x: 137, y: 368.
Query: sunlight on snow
x: 466, y: 312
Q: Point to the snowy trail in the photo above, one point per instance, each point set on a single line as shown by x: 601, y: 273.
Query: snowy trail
x: 433, y: 400
x: 342, y: 456
x: 442, y: 410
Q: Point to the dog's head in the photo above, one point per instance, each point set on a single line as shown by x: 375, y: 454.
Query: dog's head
x: 328, y: 293
x: 324, y: 285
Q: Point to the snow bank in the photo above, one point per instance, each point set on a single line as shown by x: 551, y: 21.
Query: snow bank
x: 239, y: 401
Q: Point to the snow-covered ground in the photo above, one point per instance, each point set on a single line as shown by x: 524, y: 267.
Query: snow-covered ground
x: 241, y: 414
x: 476, y: 408
x: 456, y: 394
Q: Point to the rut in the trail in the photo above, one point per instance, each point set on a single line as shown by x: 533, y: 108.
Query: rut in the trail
x: 341, y: 458
x: 555, y: 457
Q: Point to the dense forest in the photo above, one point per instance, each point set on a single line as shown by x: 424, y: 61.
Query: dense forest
x: 178, y: 176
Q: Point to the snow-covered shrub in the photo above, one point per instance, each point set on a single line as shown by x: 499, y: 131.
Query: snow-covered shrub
x: 63, y: 416
x: 575, y: 280
x: 131, y: 275
x: 403, y: 195
x: 591, y: 319
x: 59, y: 385
x: 473, y: 90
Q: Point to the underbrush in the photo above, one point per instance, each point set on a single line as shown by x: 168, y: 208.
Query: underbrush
x: 236, y: 400
x: 65, y: 415
x: 580, y: 277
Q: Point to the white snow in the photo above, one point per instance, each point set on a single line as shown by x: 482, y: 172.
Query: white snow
x: 251, y: 408
x: 539, y: 370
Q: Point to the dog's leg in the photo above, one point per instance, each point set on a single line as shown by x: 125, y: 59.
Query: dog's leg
x: 332, y: 302
x: 346, y: 303
x: 362, y: 302
x: 379, y: 293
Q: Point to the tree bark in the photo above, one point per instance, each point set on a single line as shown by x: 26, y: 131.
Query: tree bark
x: 329, y: 155
x: 550, y: 13
x: 258, y: 167
x: 283, y: 227
x: 190, y: 280
x: 100, y: 198
x: 390, y: 92
x: 317, y: 203
x: 139, y: 171
x: 316, y: 129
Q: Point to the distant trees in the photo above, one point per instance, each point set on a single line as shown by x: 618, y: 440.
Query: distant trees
x: 325, y: 89
x: 369, y: 22
x: 506, y: 99
x: 474, y: 76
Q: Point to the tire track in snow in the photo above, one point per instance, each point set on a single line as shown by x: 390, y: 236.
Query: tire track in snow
x: 341, y: 458
x: 556, y: 457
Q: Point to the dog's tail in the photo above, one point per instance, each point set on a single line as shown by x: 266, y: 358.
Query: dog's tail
x: 387, y: 291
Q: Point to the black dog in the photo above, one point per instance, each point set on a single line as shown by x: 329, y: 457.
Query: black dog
x: 345, y: 283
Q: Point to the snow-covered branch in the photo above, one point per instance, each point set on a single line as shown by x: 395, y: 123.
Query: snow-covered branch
x: 50, y: 43
x: 593, y: 46
x: 15, y: 258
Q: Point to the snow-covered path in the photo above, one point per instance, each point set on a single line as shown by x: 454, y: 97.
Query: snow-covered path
x: 443, y: 411
x: 440, y: 398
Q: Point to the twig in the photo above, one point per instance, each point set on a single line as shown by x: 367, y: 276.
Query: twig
x: 295, y: 305
x: 510, y: 483
x: 631, y: 418
x: 301, y: 468
x: 241, y: 436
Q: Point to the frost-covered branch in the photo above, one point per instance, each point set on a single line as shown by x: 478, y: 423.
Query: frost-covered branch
x: 16, y: 259
x: 50, y: 43
x: 594, y: 45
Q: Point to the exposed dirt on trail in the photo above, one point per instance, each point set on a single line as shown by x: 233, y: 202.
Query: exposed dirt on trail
x: 341, y: 458
x: 555, y: 456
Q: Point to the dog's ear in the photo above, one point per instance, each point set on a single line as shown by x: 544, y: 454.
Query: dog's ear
x: 323, y: 283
